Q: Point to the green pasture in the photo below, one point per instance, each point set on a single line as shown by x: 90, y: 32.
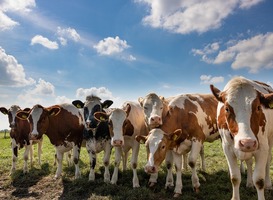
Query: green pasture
x: 39, y: 182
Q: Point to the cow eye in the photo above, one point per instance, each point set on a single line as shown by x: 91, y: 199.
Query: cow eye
x: 226, y: 109
x: 259, y: 108
x: 145, y: 108
x: 163, y: 147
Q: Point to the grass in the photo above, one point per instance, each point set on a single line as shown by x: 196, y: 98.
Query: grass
x: 39, y: 182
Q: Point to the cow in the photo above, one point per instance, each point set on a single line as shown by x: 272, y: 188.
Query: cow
x: 96, y: 133
x: 63, y: 124
x: 125, y: 124
x: 195, y: 116
x: 245, y: 118
x: 19, y: 135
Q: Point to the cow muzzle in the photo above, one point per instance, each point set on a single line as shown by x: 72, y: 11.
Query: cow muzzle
x: 117, y: 143
x: 155, y: 121
x: 248, y: 145
x: 150, y: 169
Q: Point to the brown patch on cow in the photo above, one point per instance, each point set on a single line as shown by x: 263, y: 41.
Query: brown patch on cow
x: 221, y: 120
x: 230, y: 119
x: 128, y: 128
x: 110, y: 125
x: 257, y: 118
x: 260, y: 183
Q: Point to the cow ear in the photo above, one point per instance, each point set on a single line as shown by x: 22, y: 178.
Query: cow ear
x: 53, y: 111
x: 4, y: 110
x: 127, y: 109
x: 141, y: 139
x: 217, y: 93
x: 101, y: 116
x: 23, y: 115
x: 140, y: 100
x: 161, y: 98
x: 107, y: 104
x: 27, y: 109
x: 267, y: 100
x: 78, y: 103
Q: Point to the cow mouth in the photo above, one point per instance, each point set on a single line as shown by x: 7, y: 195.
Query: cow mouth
x: 150, y: 169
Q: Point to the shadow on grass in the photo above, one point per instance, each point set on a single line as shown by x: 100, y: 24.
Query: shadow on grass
x: 22, y: 182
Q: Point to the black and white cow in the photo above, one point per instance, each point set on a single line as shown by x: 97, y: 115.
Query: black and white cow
x: 96, y: 133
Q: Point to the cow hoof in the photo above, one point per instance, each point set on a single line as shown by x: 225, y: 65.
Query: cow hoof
x: 196, y: 190
x: 136, y: 186
x: 151, y: 184
x: 176, y: 195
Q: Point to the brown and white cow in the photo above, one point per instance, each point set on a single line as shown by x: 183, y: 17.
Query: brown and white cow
x: 19, y: 135
x: 63, y: 124
x: 125, y: 124
x: 96, y: 133
x: 195, y: 115
x: 245, y: 118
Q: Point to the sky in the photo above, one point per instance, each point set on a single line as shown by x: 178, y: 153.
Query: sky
x: 57, y: 51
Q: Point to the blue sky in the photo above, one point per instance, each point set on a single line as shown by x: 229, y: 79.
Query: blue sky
x: 58, y: 51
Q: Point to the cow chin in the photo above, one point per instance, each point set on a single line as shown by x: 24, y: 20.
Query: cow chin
x: 243, y: 155
x: 34, y: 137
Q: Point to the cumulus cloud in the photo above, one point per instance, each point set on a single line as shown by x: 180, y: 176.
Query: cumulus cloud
x: 110, y: 46
x: 192, y: 15
x: 101, y: 92
x: 253, y: 53
x: 14, y: 6
x: 67, y: 33
x: 12, y: 73
x: 38, y: 39
x: 208, y: 79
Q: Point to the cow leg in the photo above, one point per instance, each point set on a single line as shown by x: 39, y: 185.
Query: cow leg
x: 93, y: 161
x: 169, y: 164
x: 135, y: 151
x: 259, y: 172
x: 59, y: 155
x: 118, y: 155
x: 14, y: 148
x: 185, y: 161
x: 234, y: 170
x: 203, y: 163
x: 194, y: 153
x: 249, y: 182
x: 76, y: 158
x: 268, y: 183
x: 26, y: 153
x: 31, y: 153
x: 106, y: 160
x: 124, y: 160
x: 40, y: 145
x: 177, y: 158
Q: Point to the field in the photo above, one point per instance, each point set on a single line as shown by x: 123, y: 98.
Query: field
x: 39, y: 182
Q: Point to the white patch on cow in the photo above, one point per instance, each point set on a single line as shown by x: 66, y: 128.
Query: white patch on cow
x: 117, y: 117
x: 13, y: 110
x: 36, y: 114
x: 64, y: 148
x: 74, y: 111
x: 154, y: 139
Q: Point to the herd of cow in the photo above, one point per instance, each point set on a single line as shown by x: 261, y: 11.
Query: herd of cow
x: 173, y: 129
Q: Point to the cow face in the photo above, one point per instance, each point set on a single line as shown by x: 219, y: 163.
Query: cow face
x: 93, y: 104
x: 153, y: 109
x: 38, y: 118
x: 11, y: 112
x: 241, y: 112
x: 119, y: 125
x: 157, y: 144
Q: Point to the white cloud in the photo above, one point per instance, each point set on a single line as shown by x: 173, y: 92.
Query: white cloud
x: 208, y: 79
x: 110, y: 46
x: 192, y: 15
x: 14, y: 6
x: 38, y: 39
x: 67, y: 33
x: 12, y: 73
x: 43, y: 88
x: 101, y: 92
x: 62, y: 99
x: 254, y: 53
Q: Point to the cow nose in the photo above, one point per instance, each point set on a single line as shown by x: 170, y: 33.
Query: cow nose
x: 156, y: 120
x: 117, y: 143
x: 248, y: 145
x: 150, y: 169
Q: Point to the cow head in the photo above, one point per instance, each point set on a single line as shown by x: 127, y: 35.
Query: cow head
x: 157, y: 144
x: 241, y: 112
x: 92, y: 105
x: 154, y: 109
x: 38, y: 118
x: 119, y: 124
x: 11, y: 112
